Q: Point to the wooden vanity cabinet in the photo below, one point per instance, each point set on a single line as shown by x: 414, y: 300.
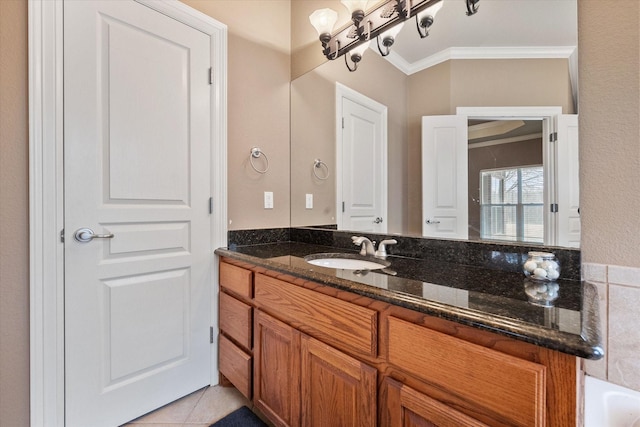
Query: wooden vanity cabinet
x: 325, y: 357
x: 300, y: 380
x: 276, y: 387
x: 336, y: 389
x: 407, y: 407
x: 235, y: 358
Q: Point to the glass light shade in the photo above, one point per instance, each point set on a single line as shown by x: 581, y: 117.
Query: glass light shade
x: 360, y: 49
x: 323, y: 20
x: 392, y: 32
x: 432, y: 10
x: 353, y: 5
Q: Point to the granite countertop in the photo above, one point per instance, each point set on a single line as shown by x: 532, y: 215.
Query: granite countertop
x: 493, y: 300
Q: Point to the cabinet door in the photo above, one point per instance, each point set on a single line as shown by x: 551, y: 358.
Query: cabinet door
x: 337, y: 390
x: 276, y: 383
x: 406, y: 407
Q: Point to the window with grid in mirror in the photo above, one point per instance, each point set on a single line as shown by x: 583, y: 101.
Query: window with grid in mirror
x: 511, y: 204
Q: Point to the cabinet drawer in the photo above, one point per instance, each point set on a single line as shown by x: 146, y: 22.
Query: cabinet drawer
x: 236, y: 365
x: 236, y: 279
x: 235, y: 320
x: 339, y: 323
x: 414, y: 408
x: 503, y: 384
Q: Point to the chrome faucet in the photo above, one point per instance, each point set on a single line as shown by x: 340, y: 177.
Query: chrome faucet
x: 367, y: 245
x: 382, y: 247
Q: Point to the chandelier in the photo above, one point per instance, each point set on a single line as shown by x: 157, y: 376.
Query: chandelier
x: 382, y: 23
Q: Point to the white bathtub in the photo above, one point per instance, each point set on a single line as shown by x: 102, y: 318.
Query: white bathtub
x: 609, y: 405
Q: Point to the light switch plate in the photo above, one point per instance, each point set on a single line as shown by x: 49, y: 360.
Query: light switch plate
x: 309, y: 201
x: 268, y: 199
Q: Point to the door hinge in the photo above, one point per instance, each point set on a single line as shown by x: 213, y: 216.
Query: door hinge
x: 553, y: 137
x: 343, y: 123
x: 211, y: 335
x: 554, y: 207
x: 62, y: 236
x: 210, y: 205
x: 210, y: 75
x: 342, y: 207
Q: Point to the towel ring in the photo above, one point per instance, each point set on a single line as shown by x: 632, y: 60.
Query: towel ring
x: 255, y: 153
x: 317, y: 164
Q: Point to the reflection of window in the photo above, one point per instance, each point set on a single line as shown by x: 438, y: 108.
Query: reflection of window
x: 511, y: 204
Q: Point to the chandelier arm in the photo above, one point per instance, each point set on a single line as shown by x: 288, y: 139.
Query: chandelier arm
x: 422, y: 32
x: 387, y: 49
x: 472, y: 7
x: 355, y: 64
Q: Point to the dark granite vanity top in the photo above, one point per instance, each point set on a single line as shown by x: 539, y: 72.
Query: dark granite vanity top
x: 488, y: 299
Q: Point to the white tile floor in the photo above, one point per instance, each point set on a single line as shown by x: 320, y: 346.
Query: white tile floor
x: 198, y: 409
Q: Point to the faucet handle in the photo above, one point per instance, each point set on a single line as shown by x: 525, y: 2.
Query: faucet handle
x: 382, y: 247
x: 359, y: 240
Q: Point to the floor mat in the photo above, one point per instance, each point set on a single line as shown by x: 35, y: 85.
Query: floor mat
x: 242, y: 417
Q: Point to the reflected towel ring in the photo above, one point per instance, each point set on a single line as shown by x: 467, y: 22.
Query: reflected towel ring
x: 317, y: 164
x: 255, y: 153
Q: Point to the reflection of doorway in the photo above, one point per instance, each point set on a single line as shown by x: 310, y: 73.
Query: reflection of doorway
x: 506, y: 196
x: 361, y: 175
x: 557, y: 152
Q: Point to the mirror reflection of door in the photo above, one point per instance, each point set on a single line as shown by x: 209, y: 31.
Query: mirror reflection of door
x: 361, y: 162
x: 521, y: 182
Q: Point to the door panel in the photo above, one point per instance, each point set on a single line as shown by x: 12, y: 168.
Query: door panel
x: 137, y: 165
x: 568, y: 181
x: 337, y: 390
x: 444, y: 177
x: 276, y: 382
x: 364, y: 180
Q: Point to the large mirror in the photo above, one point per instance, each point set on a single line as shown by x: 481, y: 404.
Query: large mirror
x: 510, y: 54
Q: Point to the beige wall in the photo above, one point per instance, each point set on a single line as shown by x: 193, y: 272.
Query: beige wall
x: 609, y: 64
x: 306, y: 49
x: 470, y: 83
x: 609, y: 130
x: 258, y: 113
x: 14, y: 216
x: 313, y: 136
x: 436, y: 90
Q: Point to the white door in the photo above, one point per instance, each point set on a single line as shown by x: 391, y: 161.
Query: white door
x: 568, y: 181
x: 444, y: 177
x: 137, y: 166
x: 362, y: 191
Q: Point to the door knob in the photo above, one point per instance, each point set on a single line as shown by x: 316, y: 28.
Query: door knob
x: 85, y: 235
x: 378, y: 220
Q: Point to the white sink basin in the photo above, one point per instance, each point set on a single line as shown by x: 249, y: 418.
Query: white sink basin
x: 346, y: 261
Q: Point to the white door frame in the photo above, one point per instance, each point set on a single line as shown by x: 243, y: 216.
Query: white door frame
x: 46, y: 214
x: 343, y: 91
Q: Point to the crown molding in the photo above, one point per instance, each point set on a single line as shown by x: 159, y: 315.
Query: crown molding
x: 531, y: 52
